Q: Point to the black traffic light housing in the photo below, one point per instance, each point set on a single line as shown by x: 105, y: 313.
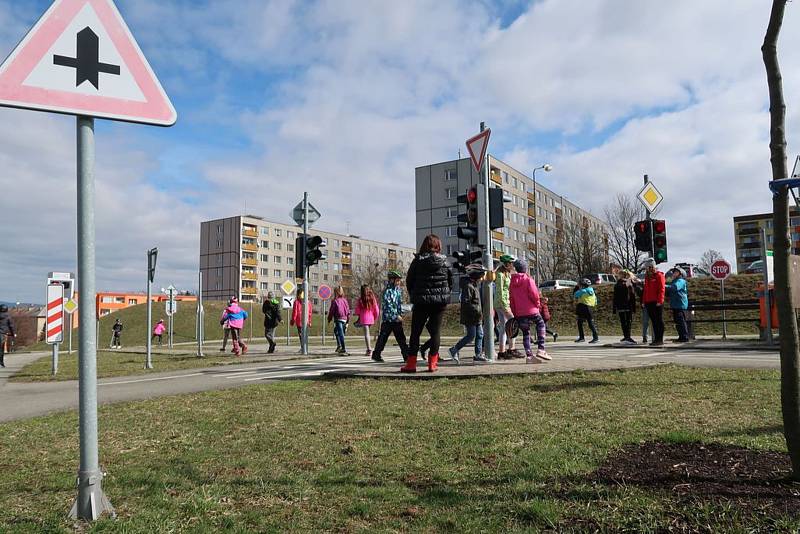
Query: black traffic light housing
x: 497, y: 197
x: 314, y: 252
x: 464, y: 258
x: 307, y: 252
x: 152, y: 257
x: 643, y: 236
x: 475, y: 230
x: 659, y: 240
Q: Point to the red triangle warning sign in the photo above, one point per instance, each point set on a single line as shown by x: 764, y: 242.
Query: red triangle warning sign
x: 81, y: 59
x: 477, y: 148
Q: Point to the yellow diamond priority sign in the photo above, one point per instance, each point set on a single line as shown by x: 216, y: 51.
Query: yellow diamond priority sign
x: 650, y: 197
x: 70, y: 306
x: 288, y: 287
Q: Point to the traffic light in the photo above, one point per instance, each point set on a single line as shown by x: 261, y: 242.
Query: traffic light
x: 497, y: 197
x: 474, y: 232
x: 643, y: 236
x: 464, y: 258
x: 660, y: 241
x: 314, y: 252
x: 307, y: 252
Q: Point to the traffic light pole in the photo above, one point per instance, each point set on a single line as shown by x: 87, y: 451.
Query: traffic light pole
x: 304, y: 341
x: 488, y: 301
x: 649, y: 226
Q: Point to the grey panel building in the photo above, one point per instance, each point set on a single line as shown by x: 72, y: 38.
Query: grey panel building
x: 536, y: 219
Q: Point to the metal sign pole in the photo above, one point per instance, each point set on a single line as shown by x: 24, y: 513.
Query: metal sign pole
x: 91, y: 501
x: 288, y: 326
x: 767, y: 300
x: 200, y: 314
x: 305, y: 278
x: 724, y: 323
x: 55, y: 359
x: 70, y: 333
x: 488, y: 316
x: 324, y: 322
x: 148, y: 362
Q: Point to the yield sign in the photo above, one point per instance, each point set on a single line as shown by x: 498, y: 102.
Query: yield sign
x: 477, y: 148
x: 81, y: 59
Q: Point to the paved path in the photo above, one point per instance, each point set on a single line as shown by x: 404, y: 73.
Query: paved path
x: 21, y: 400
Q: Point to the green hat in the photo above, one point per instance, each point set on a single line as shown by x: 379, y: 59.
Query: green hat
x: 507, y: 258
x: 394, y: 274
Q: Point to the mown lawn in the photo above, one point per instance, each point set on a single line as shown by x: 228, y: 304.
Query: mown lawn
x: 490, y: 454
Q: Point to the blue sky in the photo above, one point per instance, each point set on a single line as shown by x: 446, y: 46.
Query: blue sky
x: 345, y: 98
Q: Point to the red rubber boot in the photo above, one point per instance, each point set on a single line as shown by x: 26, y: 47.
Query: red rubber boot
x: 411, y: 364
x: 433, y: 362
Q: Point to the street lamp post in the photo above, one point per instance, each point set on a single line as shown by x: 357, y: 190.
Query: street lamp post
x: 546, y: 168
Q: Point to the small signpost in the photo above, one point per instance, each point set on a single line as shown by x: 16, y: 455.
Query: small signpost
x: 81, y: 59
x: 288, y: 287
x: 650, y: 197
x: 55, y: 320
x: 324, y: 292
x: 721, y: 270
x: 171, y: 309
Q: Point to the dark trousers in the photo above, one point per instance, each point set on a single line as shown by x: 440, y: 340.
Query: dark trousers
x: 679, y: 316
x: 423, y: 313
x: 116, y: 339
x: 2, y: 348
x: 269, y: 334
x: 625, y: 320
x: 656, y: 314
x: 387, y: 328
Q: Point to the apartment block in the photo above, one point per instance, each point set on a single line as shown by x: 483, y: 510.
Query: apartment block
x: 747, y: 235
x: 535, y: 219
x: 247, y: 256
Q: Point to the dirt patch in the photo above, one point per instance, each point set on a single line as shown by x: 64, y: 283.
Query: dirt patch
x: 707, y: 472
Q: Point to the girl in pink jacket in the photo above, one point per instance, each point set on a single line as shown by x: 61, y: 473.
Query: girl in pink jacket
x: 367, y: 311
x: 525, y: 304
x: 158, y: 330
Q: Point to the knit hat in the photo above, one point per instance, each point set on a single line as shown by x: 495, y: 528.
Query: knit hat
x: 680, y: 271
x: 649, y: 262
x: 475, y: 270
x: 521, y: 265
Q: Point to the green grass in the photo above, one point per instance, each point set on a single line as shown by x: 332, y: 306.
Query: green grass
x: 488, y: 454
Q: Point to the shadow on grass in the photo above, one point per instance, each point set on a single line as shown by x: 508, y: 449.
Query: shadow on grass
x: 570, y: 386
x: 752, y: 432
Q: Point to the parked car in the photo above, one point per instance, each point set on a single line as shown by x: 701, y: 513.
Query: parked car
x: 692, y: 270
x: 600, y: 278
x: 756, y: 267
x: 552, y: 285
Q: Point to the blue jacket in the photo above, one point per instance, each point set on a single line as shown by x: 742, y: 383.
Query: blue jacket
x: 392, y: 304
x: 678, y: 294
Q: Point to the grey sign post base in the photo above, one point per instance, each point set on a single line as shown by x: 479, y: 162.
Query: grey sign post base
x: 91, y: 502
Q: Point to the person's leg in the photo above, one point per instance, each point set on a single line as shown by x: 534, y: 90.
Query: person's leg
x: 502, y: 319
x: 525, y: 328
x: 383, y: 337
x: 2, y: 350
x: 368, y: 340
x: 461, y: 343
x: 478, y: 339
x: 235, y: 341
x: 400, y: 337
x: 645, y: 323
x: 436, y: 315
x: 681, y: 325
x: 341, y: 325
x: 541, y: 331
x: 580, y: 329
x: 418, y: 318
x: 592, y: 327
x: 626, y: 318
x: 658, y: 324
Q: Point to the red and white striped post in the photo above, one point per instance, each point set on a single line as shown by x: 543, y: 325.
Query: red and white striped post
x: 55, y: 320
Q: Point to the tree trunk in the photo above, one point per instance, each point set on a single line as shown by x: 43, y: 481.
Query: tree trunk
x: 790, y: 355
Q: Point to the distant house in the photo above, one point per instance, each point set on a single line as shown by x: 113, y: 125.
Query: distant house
x: 29, y: 323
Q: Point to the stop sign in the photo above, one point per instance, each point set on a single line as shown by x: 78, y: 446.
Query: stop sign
x: 720, y: 270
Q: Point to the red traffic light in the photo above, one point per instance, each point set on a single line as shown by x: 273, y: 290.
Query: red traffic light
x: 472, y: 195
x: 659, y: 227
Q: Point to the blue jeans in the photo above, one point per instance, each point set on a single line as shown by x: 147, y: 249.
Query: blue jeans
x: 473, y: 332
x: 338, y: 332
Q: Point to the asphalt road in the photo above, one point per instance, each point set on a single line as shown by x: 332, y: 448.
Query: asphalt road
x: 22, y: 400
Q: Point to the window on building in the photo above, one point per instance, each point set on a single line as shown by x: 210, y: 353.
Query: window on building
x: 219, y: 260
x: 538, y: 227
x: 289, y: 274
x: 336, y: 277
x: 452, y: 213
x: 219, y: 273
x: 264, y: 272
x: 264, y: 230
x: 276, y: 273
x: 336, y: 243
x: 277, y: 246
x: 336, y: 254
x: 325, y: 277
x: 514, y: 182
x: 514, y: 217
x: 276, y: 259
x: 452, y: 231
x: 276, y: 286
x: 265, y: 258
x: 264, y: 286
x: 507, y: 213
x: 450, y: 193
x: 335, y: 266
x: 278, y: 232
x: 219, y: 229
x: 450, y: 250
x: 540, y: 211
x: 315, y: 276
x: 451, y: 174
x: 289, y: 234
x: 219, y: 243
x: 290, y: 261
x: 290, y: 247
x: 265, y: 244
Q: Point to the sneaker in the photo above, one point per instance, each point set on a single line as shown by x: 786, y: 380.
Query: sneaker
x: 245, y: 349
x: 503, y: 356
x: 657, y: 344
x: 479, y: 358
x: 516, y: 354
x: 377, y: 358
x: 368, y: 353
x: 623, y: 340
x: 644, y: 339
x: 454, y: 355
x: 541, y: 353
x: 555, y: 337
x: 344, y: 353
x: 595, y: 340
x: 532, y: 359
x: 580, y: 340
x: 222, y: 349
x: 680, y: 340
x: 630, y: 341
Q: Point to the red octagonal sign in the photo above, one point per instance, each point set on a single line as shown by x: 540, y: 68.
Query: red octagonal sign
x: 720, y: 270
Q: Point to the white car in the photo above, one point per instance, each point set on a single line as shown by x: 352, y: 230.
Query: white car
x: 552, y: 285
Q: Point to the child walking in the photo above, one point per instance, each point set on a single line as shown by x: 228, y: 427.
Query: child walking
x: 158, y: 331
x: 340, y: 315
x: 471, y: 314
x: 545, y: 312
x: 586, y: 300
x: 367, y: 311
x: 116, y: 338
x: 391, y: 317
x: 525, y: 303
x: 297, y: 318
x: 235, y: 317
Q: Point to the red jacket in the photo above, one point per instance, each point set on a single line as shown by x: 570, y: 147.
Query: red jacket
x: 653, y: 288
x: 297, y: 313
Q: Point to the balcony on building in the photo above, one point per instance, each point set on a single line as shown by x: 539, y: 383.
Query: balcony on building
x: 346, y: 259
x: 532, y: 247
x: 531, y: 210
x: 249, y: 231
x: 249, y: 290
x: 392, y: 254
x: 749, y: 231
x: 248, y: 275
x: 250, y: 261
x: 249, y: 245
x: 347, y: 247
x: 495, y: 177
x: 497, y: 235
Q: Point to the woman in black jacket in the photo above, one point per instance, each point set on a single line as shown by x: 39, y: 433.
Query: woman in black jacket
x: 429, y: 283
x: 625, y: 303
